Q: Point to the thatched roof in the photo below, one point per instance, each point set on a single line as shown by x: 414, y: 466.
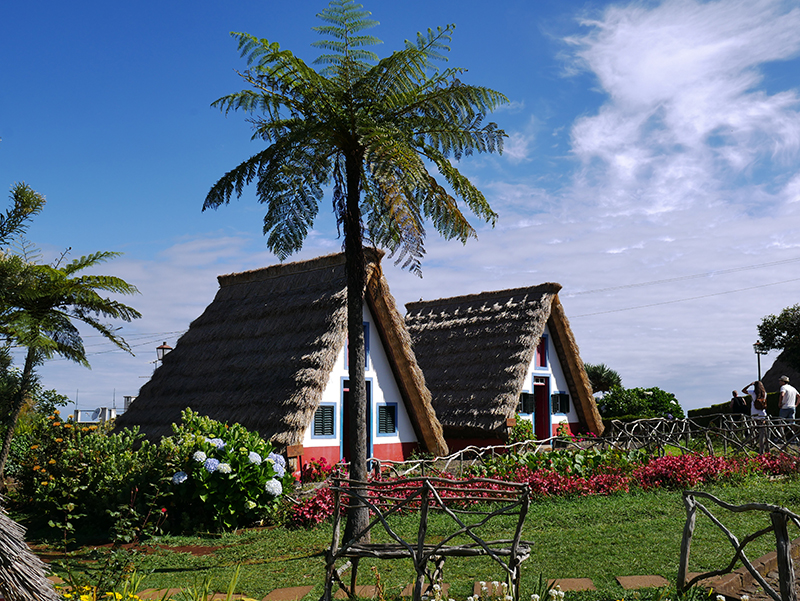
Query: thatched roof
x: 262, y: 351
x: 475, y: 352
x: 22, y: 574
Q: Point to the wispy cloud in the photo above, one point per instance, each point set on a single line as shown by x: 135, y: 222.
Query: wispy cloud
x: 686, y: 118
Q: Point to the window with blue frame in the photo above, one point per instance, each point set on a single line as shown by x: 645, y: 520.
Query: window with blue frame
x: 324, y: 421
x: 387, y: 418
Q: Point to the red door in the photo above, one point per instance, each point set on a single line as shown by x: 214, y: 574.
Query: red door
x: 542, y: 422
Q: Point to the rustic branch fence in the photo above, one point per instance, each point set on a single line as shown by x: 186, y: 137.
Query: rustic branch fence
x: 473, y: 506
x: 780, y: 518
x: 735, y: 433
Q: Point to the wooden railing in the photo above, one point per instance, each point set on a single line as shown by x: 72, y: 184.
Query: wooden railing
x: 779, y: 517
x: 473, y: 507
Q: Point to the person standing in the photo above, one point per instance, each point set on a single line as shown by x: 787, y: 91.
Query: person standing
x: 788, y: 399
x: 739, y: 404
x: 758, y: 396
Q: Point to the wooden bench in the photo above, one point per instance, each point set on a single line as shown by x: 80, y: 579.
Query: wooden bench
x: 473, y: 505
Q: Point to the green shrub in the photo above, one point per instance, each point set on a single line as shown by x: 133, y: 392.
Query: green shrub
x: 640, y: 403
x: 82, y: 475
x: 521, y: 431
x: 224, y: 476
x: 119, y: 486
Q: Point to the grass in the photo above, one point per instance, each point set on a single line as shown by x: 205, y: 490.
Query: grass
x: 590, y: 537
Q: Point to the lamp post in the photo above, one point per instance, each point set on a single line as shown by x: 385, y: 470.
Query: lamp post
x: 759, y: 349
x: 161, y: 352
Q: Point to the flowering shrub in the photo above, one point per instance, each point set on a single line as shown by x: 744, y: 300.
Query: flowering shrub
x: 315, y: 471
x: 223, y: 475
x: 687, y: 471
x: 313, y: 510
x: 83, y: 476
x: 779, y: 464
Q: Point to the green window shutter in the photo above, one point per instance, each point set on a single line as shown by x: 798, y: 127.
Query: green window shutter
x: 527, y: 403
x: 323, y: 421
x: 560, y: 402
x: 387, y: 419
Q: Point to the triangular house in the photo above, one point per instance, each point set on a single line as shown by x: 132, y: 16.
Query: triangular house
x: 487, y: 357
x: 270, y: 353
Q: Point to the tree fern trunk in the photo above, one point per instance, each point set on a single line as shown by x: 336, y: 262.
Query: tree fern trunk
x: 16, y: 407
x: 357, y: 514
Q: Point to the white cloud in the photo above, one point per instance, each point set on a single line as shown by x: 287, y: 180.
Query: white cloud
x: 685, y: 116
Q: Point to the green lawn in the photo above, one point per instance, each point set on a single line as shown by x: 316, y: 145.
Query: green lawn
x: 591, y: 537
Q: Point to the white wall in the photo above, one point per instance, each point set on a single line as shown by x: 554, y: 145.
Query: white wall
x: 384, y: 390
x: 558, y: 383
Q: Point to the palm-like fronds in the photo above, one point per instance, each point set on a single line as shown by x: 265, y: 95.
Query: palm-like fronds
x: 39, y: 307
x: 25, y: 203
x: 396, y: 116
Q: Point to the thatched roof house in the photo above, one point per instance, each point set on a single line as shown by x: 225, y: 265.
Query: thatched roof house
x: 488, y: 356
x: 270, y: 350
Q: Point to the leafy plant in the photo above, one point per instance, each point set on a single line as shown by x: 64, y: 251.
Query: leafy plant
x: 521, y: 431
x: 224, y: 475
x: 83, y: 473
x: 316, y: 470
x: 640, y: 403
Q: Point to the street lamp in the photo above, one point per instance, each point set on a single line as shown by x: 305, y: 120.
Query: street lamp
x: 758, y: 347
x: 161, y: 351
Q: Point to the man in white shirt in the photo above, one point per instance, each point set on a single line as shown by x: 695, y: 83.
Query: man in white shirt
x: 788, y: 400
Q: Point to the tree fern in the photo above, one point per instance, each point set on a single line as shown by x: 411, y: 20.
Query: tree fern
x: 371, y: 129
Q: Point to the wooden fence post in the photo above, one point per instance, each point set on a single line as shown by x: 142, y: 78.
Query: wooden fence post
x: 783, y: 545
x: 686, y: 542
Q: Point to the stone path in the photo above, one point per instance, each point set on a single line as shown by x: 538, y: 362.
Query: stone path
x: 296, y: 593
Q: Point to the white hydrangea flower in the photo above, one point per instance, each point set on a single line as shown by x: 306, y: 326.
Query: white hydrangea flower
x: 720, y: 597
x: 224, y: 468
x: 535, y: 597
x: 254, y: 457
x: 199, y: 456
x: 273, y: 487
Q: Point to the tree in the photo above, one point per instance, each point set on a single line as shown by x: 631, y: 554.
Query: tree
x: 601, y: 377
x: 38, y: 312
x: 640, y: 403
x: 782, y: 332
x: 25, y: 204
x: 362, y: 125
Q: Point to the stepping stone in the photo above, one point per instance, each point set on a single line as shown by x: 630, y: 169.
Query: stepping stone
x: 631, y: 582
x: 55, y: 579
x: 293, y: 593
x: 408, y: 591
x: 366, y: 591
x: 574, y: 584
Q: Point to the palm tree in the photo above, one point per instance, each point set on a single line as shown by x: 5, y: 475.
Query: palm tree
x: 362, y: 125
x: 601, y: 377
x: 39, y: 316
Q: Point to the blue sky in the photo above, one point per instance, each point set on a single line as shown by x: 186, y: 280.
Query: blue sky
x: 652, y: 167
